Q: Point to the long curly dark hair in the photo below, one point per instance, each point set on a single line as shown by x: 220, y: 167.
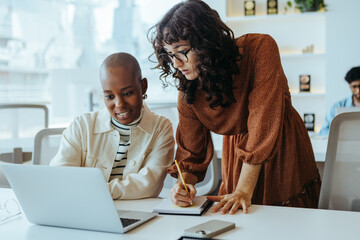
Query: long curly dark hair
x: 212, y: 41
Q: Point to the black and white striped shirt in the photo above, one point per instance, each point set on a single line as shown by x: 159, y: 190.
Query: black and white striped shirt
x: 121, y: 155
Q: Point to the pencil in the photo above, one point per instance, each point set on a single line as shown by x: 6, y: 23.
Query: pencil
x: 182, y: 179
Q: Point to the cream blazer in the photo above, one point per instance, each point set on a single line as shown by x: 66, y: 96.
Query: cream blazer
x: 91, y: 141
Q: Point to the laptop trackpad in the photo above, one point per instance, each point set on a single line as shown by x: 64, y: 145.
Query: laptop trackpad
x: 129, y: 217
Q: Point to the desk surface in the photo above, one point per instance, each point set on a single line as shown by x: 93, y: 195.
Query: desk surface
x: 262, y: 222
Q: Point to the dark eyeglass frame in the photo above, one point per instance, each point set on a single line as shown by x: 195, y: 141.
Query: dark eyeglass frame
x: 354, y: 86
x: 168, y: 57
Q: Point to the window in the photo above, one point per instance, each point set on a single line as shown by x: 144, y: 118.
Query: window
x: 43, y: 39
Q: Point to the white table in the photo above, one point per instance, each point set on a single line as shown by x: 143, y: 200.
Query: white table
x: 262, y: 222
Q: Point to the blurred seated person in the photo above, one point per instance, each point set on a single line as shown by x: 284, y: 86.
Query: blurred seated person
x: 353, y: 79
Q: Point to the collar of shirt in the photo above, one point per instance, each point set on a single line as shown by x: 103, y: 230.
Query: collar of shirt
x: 103, y: 121
x: 118, y: 124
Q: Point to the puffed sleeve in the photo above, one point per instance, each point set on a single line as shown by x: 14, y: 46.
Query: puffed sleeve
x: 194, y: 145
x: 266, y: 104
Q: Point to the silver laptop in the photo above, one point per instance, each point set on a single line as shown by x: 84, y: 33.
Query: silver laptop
x: 339, y: 110
x: 72, y: 197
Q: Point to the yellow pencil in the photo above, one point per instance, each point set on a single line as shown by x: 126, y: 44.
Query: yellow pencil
x: 182, y: 179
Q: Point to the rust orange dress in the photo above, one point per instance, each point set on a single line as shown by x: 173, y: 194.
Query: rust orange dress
x: 261, y: 127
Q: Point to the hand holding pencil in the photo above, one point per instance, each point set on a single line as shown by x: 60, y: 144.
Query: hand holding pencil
x: 182, y: 195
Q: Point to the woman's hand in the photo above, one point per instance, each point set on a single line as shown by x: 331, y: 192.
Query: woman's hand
x: 180, y: 197
x: 231, y: 202
x: 241, y: 197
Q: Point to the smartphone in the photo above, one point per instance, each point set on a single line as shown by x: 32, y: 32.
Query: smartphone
x: 196, y: 238
x: 209, y: 229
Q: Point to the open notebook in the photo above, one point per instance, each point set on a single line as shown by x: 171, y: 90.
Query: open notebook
x: 199, y: 207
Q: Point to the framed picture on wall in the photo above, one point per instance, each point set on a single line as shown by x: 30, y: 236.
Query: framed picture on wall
x: 272, y: 6
x: 304, y: 81
x: 249, y: 8
x: 309, y: 120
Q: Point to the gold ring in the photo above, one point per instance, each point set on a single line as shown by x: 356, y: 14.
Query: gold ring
x: 223, y: 200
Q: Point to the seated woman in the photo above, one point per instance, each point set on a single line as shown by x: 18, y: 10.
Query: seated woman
x: 131, y: 145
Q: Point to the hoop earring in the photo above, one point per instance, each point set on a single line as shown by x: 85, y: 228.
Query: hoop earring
x: 144, y: 96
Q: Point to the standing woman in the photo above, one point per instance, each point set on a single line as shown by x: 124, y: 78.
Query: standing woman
x: 237, y: 88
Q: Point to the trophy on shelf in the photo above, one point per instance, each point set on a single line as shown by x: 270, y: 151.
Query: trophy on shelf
x: 272, y: 7
x: 308, y: 49
x: 309, y: 120
x: 249, y: 8
x: 304, y: 83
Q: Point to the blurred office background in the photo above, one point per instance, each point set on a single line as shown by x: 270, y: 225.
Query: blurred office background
x: 50, y: 50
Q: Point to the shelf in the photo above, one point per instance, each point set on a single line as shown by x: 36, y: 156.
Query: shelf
x: 4, y: 39
x: 276, y: 17
x: 307, y: 95
x: 301, y: 55
x: 292, y: 31
x: 23, y: 70
x: 22, y: 87
x: 26, y: 100
x: 8, y: 38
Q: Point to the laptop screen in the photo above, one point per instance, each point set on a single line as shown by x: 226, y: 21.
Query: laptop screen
x: 346, y: 109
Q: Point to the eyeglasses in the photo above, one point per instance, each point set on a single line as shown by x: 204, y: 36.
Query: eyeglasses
x: 9, y: 209
x: 354, y: 86
x: 181, y: 56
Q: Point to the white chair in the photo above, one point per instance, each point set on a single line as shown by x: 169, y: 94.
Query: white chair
x: 206, y: 187
x: 211, y: 180
x: 212, y: 177
x: 340, y: 187
x: 46, y: 145
x: 19, y: 124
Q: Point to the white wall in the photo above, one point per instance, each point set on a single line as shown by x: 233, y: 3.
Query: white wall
x: 219, y: 6
x: 342, y: 46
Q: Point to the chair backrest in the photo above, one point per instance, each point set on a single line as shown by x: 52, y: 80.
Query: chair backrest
x: 46, y: 145
x: 340, y: 190
x: 20, y: 123
x: 169, y: 111
x: 211, y: 180
x: 206, y: 187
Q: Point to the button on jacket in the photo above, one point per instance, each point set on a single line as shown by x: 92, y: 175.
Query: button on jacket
x: 91, y: 141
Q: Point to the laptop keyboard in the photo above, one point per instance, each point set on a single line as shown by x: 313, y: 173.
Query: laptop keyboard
x: 128, y: 221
